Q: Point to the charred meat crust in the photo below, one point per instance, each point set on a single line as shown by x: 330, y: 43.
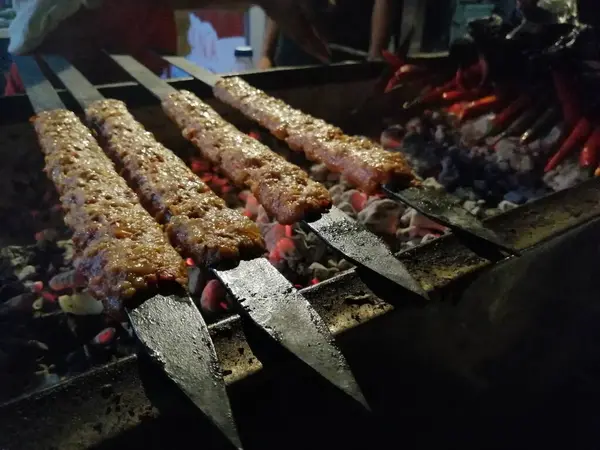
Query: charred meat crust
x: 363, y: 162
x: 283, y: 189
x: 199, y: 223
x: 121, y: 250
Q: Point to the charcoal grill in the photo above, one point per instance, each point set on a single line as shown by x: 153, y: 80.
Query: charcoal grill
x: 490, y: 333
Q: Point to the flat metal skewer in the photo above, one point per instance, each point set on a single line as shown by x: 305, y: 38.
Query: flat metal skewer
x: 170, y: 327
x: 284, y: 314
x: 438, y: 206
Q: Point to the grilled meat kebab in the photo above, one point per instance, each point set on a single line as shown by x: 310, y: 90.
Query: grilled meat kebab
x: 361, y: 161
x: 198, y: 222
x: 283, y: 189
x: 120, y: 249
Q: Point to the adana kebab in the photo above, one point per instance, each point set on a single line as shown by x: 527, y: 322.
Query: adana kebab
x: 361, y: 161
x: 198, y: 222
x: 283, y: 189
x: 120, y: 249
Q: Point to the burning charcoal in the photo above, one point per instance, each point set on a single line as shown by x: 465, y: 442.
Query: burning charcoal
x: 505, y: 205
x: 262, y: 218
x: 46, y: 380
x: 440, y: 134
x: 515, y: 197
x: 478, y: 211
x: 565, y: 175
x: 105, y: 337
x: 347, y: 208
x: 213, y: 297
x: 344, y: 265
x: 38, y: 304
x: 45, y: 236
x: 476, y: 129
x: 20, y: 303
x: 550, y: 140
x: 336, y: 192
x: 449, y: 174
x: 333, y: 177
x: 428, y: 238
x: 26, y: 273
x: 420, y: 222
x: 391, y: 138
x: 415, y: 125
x: 381, y: 216
x: 470, y: 205
x: 79, y: 360
x: 322, y: 273
x: 432, y: 183
x: 80, y: 304
x: 66, y: 280
x: 251, y: 206
x: 356, y: 199
x: 319, y: 172
x: 465, y: 193
x: 196, y: 281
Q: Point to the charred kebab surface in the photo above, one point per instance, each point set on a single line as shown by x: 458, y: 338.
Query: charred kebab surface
x: 360, y: 160
x: 283, y: 189
x: 121, y: 250
x: 198, y: 222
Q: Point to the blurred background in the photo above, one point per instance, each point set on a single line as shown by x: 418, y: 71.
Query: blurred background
x: 210, y: 37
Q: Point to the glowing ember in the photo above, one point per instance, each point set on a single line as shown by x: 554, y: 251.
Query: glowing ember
x: 105, y: 337
x: 358, y: 200
x: 254, y: 135
x: 37, y: 286
x: 289, y: 231
x: 199, y: 165
x: 189, y: 262
x: 49, y: 296
x: 213, y: 297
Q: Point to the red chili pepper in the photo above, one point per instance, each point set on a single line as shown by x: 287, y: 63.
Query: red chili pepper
x: 568, y: 101
x: 479, y: 107
x: 456, y: 108
x: 436, y: 93
x: 430, y: 95
x: 511, y: 110
x: 393, y: 60
x: 579, y: 134
x: 589, y: 154
x: 461, y: 96
x: 474, y: 74
x: 402, y: 73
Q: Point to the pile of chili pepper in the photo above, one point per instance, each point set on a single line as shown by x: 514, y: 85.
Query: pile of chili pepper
x: 519, y: 110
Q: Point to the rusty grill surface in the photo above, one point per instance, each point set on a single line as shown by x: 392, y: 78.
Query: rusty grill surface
x: 101, y: 405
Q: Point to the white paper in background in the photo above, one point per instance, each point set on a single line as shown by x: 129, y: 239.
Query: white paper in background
x: 208, y: 50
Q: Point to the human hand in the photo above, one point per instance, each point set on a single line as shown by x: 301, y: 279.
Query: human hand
x: 297, y: 19
x: 264, y: 63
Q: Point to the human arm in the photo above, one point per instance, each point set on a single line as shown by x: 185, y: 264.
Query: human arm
x: 380, y: 27
x: 269, y: 44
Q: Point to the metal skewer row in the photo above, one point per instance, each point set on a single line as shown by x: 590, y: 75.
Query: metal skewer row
x: 172, y: 329
x: 435, y: 204
x: 354, y: 242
